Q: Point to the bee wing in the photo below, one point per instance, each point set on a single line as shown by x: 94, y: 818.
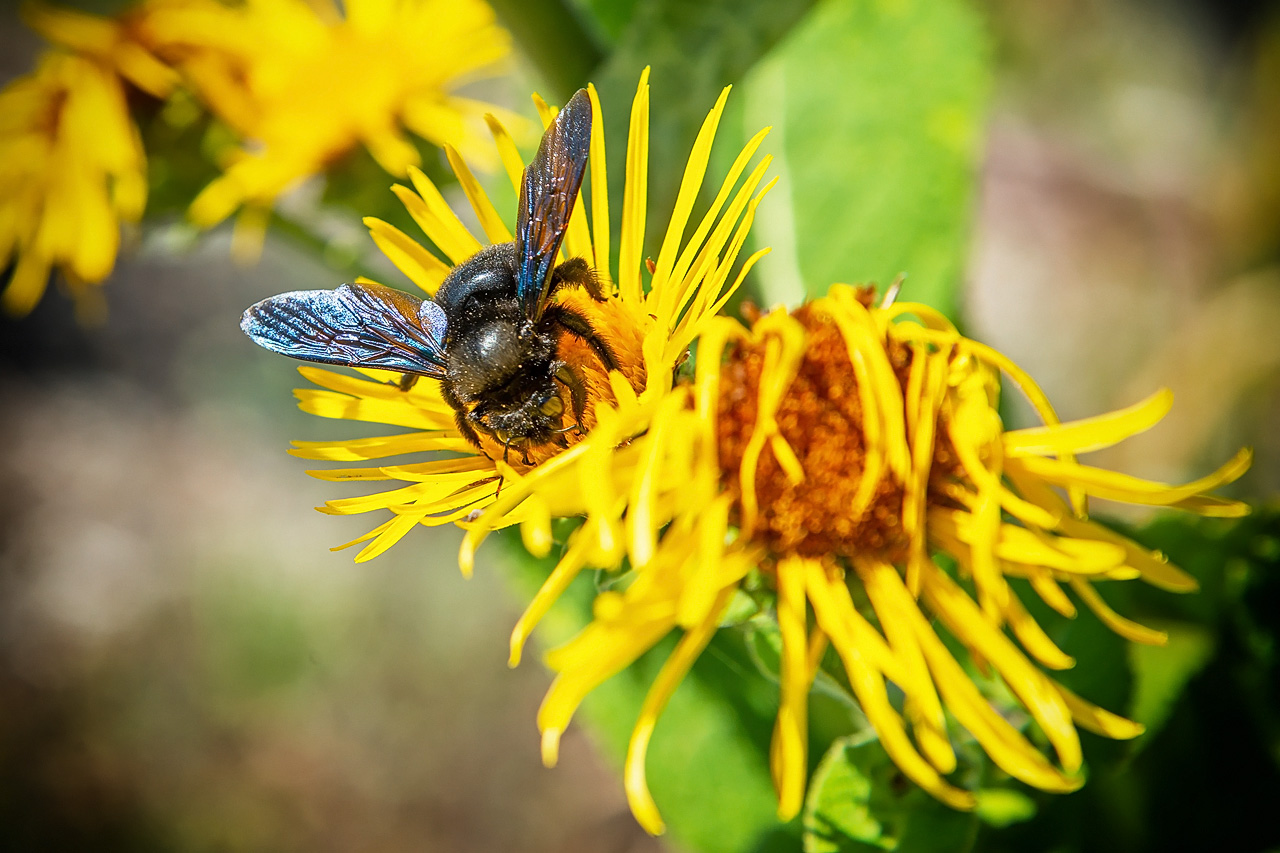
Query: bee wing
x: 359, y: 325
x: 547, y: 196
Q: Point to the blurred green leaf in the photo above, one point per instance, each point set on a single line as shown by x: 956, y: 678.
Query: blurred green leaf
x: 859, y: 802
x: 552, y: 36
x: 609, y: 17
x: 1161, y: 672
x: 179, y: 138
x: 693, y: 50
x: 1004, y: 807
x: 877, y: 109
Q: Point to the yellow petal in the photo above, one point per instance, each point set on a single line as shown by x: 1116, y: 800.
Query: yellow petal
x: 894, y: 605
x: 1089, y: 434
x: 1126, y: 628
x: 1122, y: 487
x: 436, y: 219
x: 552, y: 588
x: 789, y: 749
x: 494, y: 228
x: 599, y: 187
x: 965, y: 621
x: 410, y: 257
x: 635, y: 195
x: 669, y: 678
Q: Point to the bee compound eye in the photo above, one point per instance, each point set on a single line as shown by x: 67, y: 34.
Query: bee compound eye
x: 553, y: 407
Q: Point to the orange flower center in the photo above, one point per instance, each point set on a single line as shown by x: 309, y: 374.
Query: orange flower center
x: 820, y: 416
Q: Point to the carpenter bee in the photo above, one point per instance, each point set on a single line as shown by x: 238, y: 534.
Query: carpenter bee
x: 490, y: 334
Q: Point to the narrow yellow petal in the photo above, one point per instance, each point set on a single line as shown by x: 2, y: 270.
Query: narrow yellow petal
x: 840, y: 620
x: 599, y: 187
x: 1033, y: 638
x: 1008, y: 748
x: 964, y: 619
x: 393, y: 533
x: 552, y: 588
x: 436, y: 219
x: 535, y: 530
x: 690, y: 184
x: 635, y: 196
x: 1089, y: 434
x: 1154, y: 568
x: 669, y: 678
x: 713, y: 526
x: 789, y: 750
x: 600, y: 651
x: 1047, y: 588
x: 893, y: 603
x: 1122, y: 487
x: 507, y: 151
x: 393, y: 151
x: 410, y: 257
x: 695, y: 244
x: 494, y: 228
x: 380, y: 447
x: 868, y: 686
x: 1099, y: 720
x: 1126, y: 628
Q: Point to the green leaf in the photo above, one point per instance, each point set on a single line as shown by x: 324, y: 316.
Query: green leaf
x: 877, y: 109
x: 859, y: 802
x: 551, y: 35
x: 693, y: 50
x: 1004, y: 807
x: 608, y: 17
x: 1161, y: 672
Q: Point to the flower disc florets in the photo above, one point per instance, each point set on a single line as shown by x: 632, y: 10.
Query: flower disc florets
x: 820, y: 418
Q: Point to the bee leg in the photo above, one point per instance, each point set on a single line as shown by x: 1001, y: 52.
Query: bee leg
x: 574, y: 322
x: 467, y: 431
x: 576, y: 272
x: 577, y: 392
x: 407, y: 381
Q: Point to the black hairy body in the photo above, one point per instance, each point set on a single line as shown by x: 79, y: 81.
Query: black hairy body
x: 490, y: 334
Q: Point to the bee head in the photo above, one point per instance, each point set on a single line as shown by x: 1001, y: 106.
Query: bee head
x: 532, y: 416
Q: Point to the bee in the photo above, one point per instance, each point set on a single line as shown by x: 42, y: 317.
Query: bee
x: 490, y: 334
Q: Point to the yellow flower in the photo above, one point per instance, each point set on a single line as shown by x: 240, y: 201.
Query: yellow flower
x: 836, y: 446
x: 304, y: 84
x: 112, y: 42
x: 648, y: 331
x: 71, y: 169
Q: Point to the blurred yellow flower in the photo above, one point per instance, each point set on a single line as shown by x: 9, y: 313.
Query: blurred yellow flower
x: 301, y: 82
x: 304, y: 83
x: 71, y: 170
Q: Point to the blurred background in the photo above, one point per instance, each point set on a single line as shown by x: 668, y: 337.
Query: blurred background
x: 185, y: 666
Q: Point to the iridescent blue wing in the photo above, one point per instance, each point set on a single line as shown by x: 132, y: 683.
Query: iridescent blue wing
x: 547, y: 196
x: 359, y: 325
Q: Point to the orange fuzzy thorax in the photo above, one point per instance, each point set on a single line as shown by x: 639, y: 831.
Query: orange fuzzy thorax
x: 617, y: 326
